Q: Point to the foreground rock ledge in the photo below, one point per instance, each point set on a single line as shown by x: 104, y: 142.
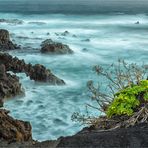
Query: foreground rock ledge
x: 35, y: 72
x: 16, y: 134
x: 13, y: 130
x: 132, y: 137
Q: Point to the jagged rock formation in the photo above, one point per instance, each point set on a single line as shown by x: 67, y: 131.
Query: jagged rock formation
x: 9, y: 85
x: 35, y: 72
x: 40, y: 73
x: 13, y: 130
x: 51, y: 47
x: 5, y: 42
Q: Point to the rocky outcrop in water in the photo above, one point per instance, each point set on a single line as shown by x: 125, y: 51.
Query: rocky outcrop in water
x: 51, y: 47
x: 65, y: 33
x: 86, y: 40
x: 11, y: 21
x: 13, y: 130
x: 9, y: 85
x: 35, y: 72
x: 40, y: 73
x: 5, y: 42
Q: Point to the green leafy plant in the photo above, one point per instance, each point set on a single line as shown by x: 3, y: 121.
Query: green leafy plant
x: 126, y: 100
x: 123, y: 99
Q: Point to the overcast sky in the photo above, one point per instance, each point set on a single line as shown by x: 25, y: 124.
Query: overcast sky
x: 100, y: 2
x: 60, y: 6
x: 81, y: 1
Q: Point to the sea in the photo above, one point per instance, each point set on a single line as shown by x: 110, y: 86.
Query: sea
x: 97, y: 37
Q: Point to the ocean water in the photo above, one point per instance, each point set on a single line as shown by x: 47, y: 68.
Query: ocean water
x: 98, y: 39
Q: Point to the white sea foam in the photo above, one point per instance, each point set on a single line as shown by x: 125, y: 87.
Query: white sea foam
x: 95, y: 39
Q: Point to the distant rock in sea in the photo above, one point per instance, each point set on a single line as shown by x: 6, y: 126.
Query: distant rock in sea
x: 137, y: 22
x: 11, y: 21
x: 51, y: 47
x: 74, y: 36
x: 65, y: 33
x: 37, y: 23
x: 5, y: 42
x: 85, y: 49
x: 86, y: 40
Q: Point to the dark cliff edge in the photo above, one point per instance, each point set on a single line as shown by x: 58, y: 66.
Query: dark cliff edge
x: 134, y: 137
x: 17, y: 134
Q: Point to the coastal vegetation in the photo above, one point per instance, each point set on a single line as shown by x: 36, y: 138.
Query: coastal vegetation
x: 124, y: 101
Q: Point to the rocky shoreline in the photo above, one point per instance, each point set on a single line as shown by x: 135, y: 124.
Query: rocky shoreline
x: 15, y: 133
x: 9, y: 83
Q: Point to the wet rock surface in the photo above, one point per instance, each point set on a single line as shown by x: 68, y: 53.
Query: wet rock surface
x: 12, y: 130
x: 35, y: 72
x: 40, y: 73
x: 51, y: 47
x: 5, y: 42
x: 9, y: 85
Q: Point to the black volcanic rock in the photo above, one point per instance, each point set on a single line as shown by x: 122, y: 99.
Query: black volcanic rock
x: 132, y: 137
x: 35, y: 72
x: 51, y: 47
x: 5, y: 42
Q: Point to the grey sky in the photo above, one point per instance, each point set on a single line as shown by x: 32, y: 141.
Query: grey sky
x: 78, y: 6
